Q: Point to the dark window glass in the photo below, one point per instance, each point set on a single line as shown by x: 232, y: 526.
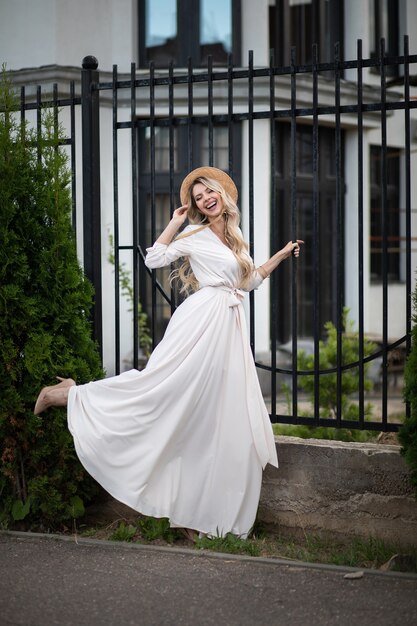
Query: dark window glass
x: 172, y: 156
x: 302, y: 23
x: 327, y: 227
x: 385, y: 25
x: 161, y: 30
x: 392, y: 215
x: 162, y: 151
x: 215, y: 30
x: 174, y: 30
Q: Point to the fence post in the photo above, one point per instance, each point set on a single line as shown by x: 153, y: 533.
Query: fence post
x: 90, y: 121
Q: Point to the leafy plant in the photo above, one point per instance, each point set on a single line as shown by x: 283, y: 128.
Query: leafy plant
x: 408, y: 432
x: 126, y: 286
x: 124, y: 532
x: 328, y: 389
x: 152, y: 528
x: 45, y: 328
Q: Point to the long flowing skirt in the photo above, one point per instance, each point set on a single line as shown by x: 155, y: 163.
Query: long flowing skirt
x: 187, y: 437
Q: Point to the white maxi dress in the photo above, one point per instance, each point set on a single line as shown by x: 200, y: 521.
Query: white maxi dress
x: 187, y: 437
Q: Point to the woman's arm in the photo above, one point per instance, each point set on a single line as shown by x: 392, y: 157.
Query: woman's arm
x: 177, y: 220
x: 291, y: 248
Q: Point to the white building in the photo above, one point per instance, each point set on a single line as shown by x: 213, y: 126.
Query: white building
x: 44, y: 42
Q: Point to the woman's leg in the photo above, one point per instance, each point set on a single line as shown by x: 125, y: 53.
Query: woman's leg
x: 56, y: 395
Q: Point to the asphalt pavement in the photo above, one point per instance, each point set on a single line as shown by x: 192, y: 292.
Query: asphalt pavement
x: 53, y: 580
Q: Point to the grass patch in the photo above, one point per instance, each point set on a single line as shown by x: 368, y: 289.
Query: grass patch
x: 352, y: 552
x: 229, y: 544
x: 264, y: 541
x: 325, y: 432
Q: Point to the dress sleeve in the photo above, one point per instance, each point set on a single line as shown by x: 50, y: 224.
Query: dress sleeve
x: 255, y: 280
x: 160, y: 254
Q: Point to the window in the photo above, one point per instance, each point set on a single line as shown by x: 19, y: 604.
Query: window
x: 327, y: 226
x: 385, y: 25
x: 174, y: 30
x: 392, y: 213
x: 174, y: 149
x: 301, y: 23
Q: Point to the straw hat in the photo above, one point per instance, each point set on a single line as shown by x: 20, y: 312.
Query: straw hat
x: 208, y: 172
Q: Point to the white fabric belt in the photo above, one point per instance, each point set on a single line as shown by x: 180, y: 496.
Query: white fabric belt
x: 236, y: 294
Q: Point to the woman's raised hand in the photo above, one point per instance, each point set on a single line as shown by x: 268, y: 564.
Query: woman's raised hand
x: 180, y: 214
x: 292, y: 247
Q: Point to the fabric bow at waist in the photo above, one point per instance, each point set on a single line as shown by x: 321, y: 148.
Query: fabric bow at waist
x: 236, y: 295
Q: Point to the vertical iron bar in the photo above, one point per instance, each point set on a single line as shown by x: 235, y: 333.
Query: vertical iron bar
x: 90, y: 112
x: 339, y: 242
x: 316, y: 241
x: 190, y: 114
x: 55, y: 113
x: 210, y: 107
x: 293, y: 201
x: 22, y: 109
x: 230, y: 111
x: 73, y: 157
x: 251, y: 197
x: 39, y: 121
x: 274, y: 227
x: 116, y: 242
x: 171, y: 153
x: 407, y: 176
x: 360, y: 237
x: 384, y: 216
x: 135, y: 221
x: 153, y: 199
x: 22, y: 113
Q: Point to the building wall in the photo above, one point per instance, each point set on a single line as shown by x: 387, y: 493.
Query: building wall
x: 61, y: 33
x: 58, y: 32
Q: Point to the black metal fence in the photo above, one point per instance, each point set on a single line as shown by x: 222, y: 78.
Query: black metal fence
x: 190, y: 109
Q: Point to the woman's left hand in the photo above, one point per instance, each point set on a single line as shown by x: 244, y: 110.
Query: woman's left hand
x: 292, y: 247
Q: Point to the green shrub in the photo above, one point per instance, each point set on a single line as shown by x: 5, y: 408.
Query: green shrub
x: 45, y: 329
x: 328, y: 390
x: 408, y: 432
x: 152, y: 528
x: 126, y: 288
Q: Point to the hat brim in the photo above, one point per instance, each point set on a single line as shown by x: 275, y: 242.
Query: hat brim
x: 208, y: 172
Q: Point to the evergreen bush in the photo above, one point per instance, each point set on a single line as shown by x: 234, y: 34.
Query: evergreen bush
x: 408, y: 432
x: 45, y: 329
x: 328, y: 388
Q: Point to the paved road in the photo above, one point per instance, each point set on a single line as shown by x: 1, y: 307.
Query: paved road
x: 47, y: 582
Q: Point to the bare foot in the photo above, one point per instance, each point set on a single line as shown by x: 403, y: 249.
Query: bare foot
x: 189, y: 534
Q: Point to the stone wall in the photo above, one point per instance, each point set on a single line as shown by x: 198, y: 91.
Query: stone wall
x: 340, y: 488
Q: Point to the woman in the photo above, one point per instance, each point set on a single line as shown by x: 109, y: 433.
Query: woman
x: 187, y: 437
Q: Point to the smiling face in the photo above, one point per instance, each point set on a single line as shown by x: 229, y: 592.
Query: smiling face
x: 207, y: 201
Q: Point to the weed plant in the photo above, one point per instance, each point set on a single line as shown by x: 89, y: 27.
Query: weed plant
x: 124, y: 532
x: 309, y: 547
x: 229, y: 544
x: 324, y: 432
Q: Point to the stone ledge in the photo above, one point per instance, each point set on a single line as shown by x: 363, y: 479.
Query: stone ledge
x: 352, y: 489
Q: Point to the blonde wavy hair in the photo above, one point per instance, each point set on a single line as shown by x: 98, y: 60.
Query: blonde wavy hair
x: 238, y: 246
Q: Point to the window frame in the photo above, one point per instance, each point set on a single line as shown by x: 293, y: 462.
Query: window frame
x: 188, y: 21
x: 393, y: 277
x: 281, y: 219
x: 280, y: 30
